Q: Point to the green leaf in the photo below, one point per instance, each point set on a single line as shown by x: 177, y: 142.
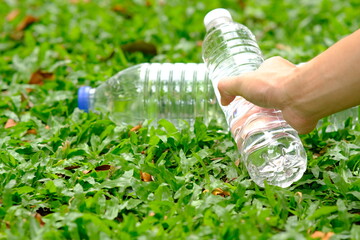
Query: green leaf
x: 323, y: 211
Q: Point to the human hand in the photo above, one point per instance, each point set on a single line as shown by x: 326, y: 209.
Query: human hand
x: 272, y: 85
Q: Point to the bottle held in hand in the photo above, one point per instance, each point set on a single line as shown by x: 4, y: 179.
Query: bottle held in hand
x: 271, y: 150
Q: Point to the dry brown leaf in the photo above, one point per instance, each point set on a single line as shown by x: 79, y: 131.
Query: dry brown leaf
x: 39, y: 76
x: 38, y: 218
x: 146, y: 177
x: 86, y: 171
x: 103, y: 168
x: 135, y: 128
x: 31, y: 131
x: 12, y: 15
x: 237, y: 162
x: 140, y: 46
x: 10, y: 123
x: 220, y: 192
x: 26, y: 22
x: 71, y: 167
x: 119, y: 8
x: 322, y: 235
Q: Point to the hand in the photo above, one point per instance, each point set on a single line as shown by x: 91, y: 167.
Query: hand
x: 270, y: 86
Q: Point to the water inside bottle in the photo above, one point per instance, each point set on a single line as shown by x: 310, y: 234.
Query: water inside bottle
x: 274, y: 156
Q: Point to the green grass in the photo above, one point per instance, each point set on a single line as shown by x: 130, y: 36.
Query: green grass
x: 79, y: 176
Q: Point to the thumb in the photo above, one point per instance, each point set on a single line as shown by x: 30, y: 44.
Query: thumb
x: 229, y: 88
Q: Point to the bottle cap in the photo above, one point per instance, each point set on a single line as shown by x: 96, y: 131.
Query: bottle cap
x: 83, y: 98
x: 216, y: 13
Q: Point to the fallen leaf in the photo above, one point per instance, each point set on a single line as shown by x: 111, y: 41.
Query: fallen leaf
x: 31, y: 131
x: 12, y: 15
x: 26, y: 22
x: 39, y: 76
x: 86, y: 171
x: 146, y: 177
x: 220, y: 192
x: 103, y: 168
x: 38, y: 217
x: 135, y: 128
x: 10, y: 123
x: 322, y: 235
x: 71, y: 167
x: 140, y: 46
x: 122, y: 10
x: 237, y: 162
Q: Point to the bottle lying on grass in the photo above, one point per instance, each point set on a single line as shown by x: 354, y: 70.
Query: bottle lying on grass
x: 270, y: 149
x: 173, y: 91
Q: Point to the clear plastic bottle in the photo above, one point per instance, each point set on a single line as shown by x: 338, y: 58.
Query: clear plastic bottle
x: 271, y: 150
x: 172, y: 91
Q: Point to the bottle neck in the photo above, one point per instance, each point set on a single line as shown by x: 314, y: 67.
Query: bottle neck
x: 91, y: 98
x: 216, y: 22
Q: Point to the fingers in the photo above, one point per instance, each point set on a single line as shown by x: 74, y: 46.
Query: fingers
x: 260, y: 87
x: 229, y: 88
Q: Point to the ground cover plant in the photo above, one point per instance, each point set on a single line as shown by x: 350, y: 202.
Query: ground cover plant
x: 66, y: 174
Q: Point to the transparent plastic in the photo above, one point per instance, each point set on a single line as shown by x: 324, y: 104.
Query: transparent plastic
x: 271, y: 150
x: 156, y: 91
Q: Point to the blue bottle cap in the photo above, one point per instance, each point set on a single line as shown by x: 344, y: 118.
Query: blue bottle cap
x: 83, y: 98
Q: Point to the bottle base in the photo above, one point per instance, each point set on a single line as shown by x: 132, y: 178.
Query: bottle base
x: 279, y: 160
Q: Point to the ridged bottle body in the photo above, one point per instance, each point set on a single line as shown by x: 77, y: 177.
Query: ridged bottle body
x: 156, y: 91
x: 270, y: 149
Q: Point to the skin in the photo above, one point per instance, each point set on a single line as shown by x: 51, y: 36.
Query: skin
x: 327, y: 84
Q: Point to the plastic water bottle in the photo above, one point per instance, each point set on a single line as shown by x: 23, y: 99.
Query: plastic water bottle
x: 173, y: 91
x: 270, y: 149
